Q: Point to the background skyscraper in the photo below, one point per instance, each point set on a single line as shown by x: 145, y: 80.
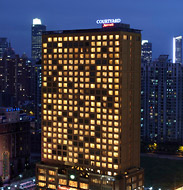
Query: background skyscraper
x: 146, y: 51
x: 15, y: 78
x: 161, y: 101
x: 3, y: 46
x: 177, y: 49
x: 37, y: 29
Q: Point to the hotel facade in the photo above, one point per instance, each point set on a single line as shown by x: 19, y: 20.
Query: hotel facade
x: 91, y: 109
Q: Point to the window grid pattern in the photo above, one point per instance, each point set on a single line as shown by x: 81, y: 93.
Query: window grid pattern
x: 81, y: 101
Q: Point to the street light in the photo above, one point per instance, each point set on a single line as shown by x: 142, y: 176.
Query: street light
x: 72, y: 176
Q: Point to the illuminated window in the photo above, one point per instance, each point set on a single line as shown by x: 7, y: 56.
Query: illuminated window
x: 60, y: 39
x: 42, y: 171
x: 110, y: 49
x: 49, y: 39
x: 65, y: 38
x: 44, y: 45
x: 99, y: 44
x: 73, y: 183
x: 93, y: 37
x: 40, y: 184
x: 52, y: 172
x: 124, y: 37
x: 104, y: 37
x: 76, y: 38
x: 70, y: 38
x: 59, y: 44
x: 51, y: 179
x: 62, y: 181
x: 104, y: 43
x: 111, y: 37
x: 81, y: 38
x: 98, y: 37
x: 51, y: 186
x: 84, y: 186
x: 117, y: 37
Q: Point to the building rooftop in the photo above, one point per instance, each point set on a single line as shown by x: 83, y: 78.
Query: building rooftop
x: 105, y: 28
x: 12, y: 115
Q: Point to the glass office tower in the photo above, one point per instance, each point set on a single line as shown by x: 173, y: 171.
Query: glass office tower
x: 177, y: 49
x: 37, y: 29
x: 146, y: 51
x: 91, y: 109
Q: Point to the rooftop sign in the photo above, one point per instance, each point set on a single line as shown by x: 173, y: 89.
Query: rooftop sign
x: 108, y: 25
x: 107, y: 21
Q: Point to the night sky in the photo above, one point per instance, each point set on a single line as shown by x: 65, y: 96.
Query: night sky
x: 160, y: 20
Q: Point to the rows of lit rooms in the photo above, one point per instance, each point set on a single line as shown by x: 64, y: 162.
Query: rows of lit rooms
x: 93, y: 50
x: 49, y: 176
x: 59, y: 132
x: 107, y: 77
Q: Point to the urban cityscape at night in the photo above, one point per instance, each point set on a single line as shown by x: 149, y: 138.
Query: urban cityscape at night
x: 91, y: 95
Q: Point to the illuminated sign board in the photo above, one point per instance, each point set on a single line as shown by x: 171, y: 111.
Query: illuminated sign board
x: 64, y: 188
x: 108, y: 25
x: 108, y: 21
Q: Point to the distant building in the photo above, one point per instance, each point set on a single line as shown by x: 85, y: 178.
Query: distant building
x: 3, y: 46
x: 14, y: 141
x: 161, y: 101
x: 15, y: 78
x: 37, y: 29
x: 37, y: 96
x: 177, y: 49
x: 146, y: 51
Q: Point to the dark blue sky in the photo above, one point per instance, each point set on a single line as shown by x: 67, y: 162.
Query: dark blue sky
x: 160, y: 20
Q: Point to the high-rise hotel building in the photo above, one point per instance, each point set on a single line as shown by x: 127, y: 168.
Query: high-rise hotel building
x: 91, y: 109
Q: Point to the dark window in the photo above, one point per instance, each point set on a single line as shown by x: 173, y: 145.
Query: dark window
x: 64, y: 147
x: 80, y: 144
x: 92, y: 68
x: 59, y: 118
x: 104, y: 49
x: 70, y: 137
x: 86, y: 139
x: 49, y: 107
x: 70, y: 131
x: 65, y: 44
x: 55, y: 44
x: 59, y: 146
x: 92, y: 139
x: 98, y: 62
x: 87, y: 43
x: 75, y: 138
x: 60, y: 67
x: 64, y: 153
x: 69, y: 120
x: 98, y: 98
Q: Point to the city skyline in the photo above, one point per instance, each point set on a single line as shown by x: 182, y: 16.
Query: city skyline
x: 155, y: 25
